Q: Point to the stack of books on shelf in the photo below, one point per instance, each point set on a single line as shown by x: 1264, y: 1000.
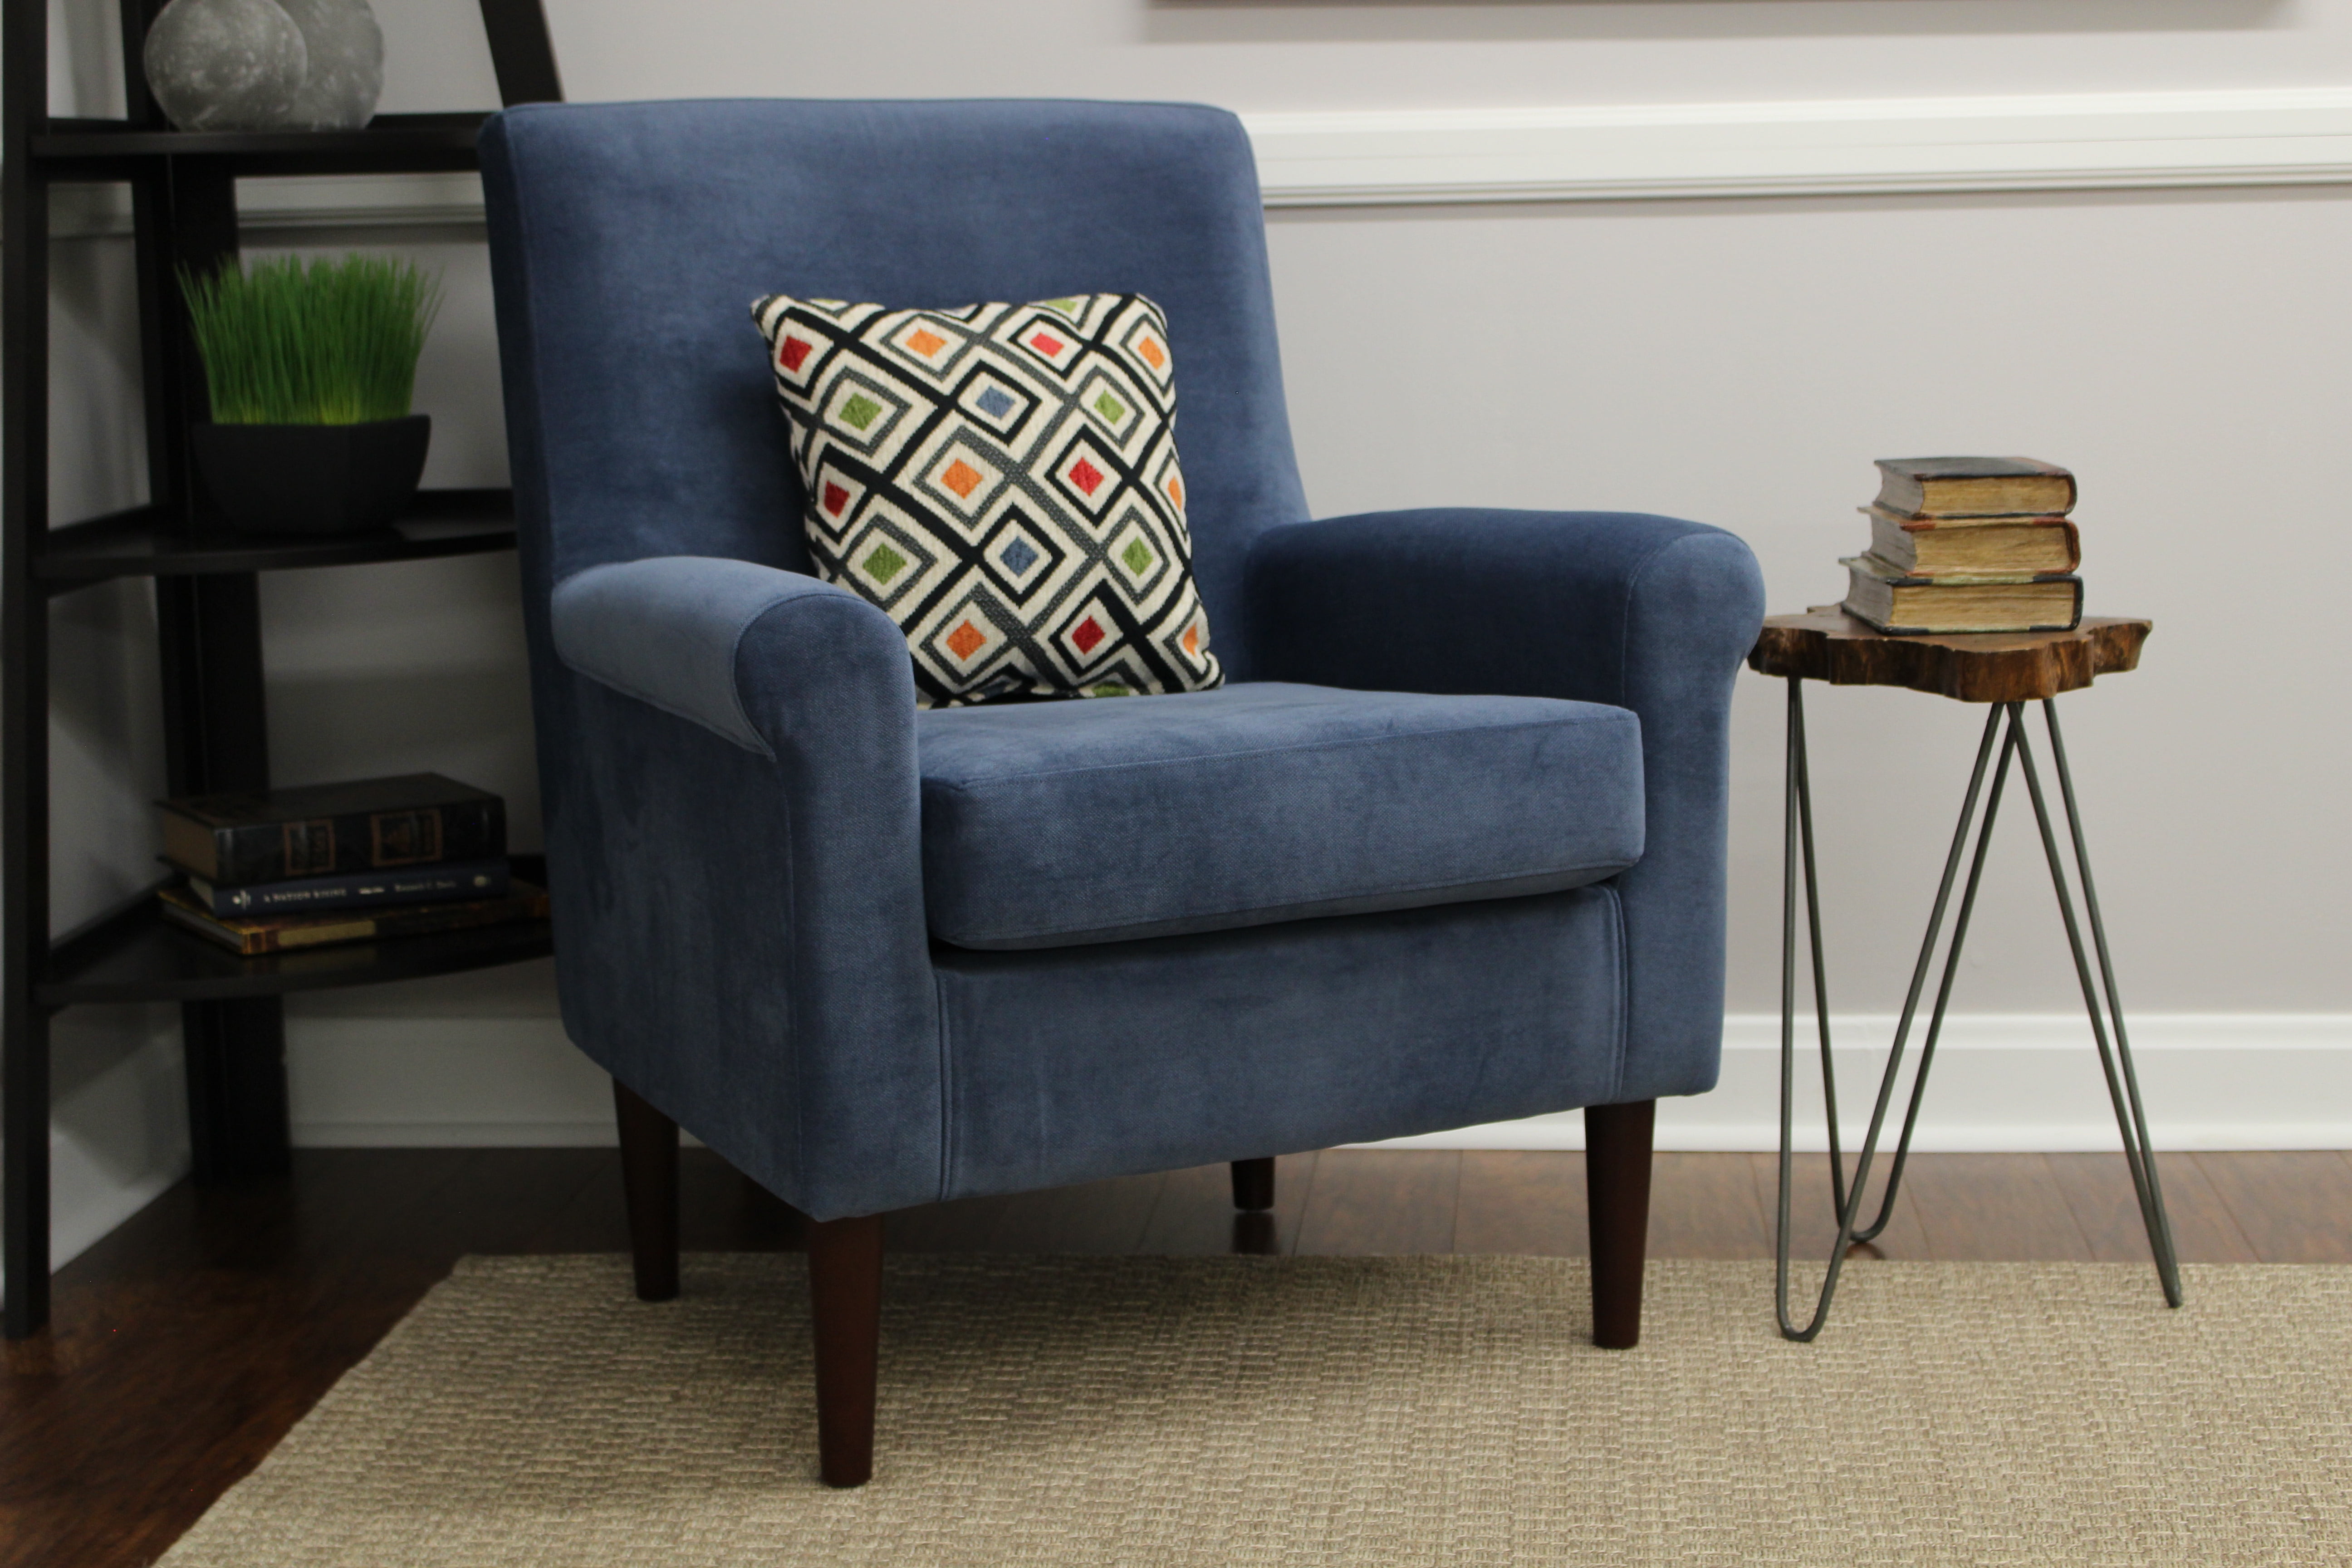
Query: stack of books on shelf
x: 1968, y: 544
x: 343, y: 862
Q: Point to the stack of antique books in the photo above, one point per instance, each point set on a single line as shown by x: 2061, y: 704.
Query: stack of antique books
x: 285, y: 869
x: 1968, y: 544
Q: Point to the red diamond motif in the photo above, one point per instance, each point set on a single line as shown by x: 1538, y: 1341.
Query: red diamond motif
x: 1046, y: 344
x: 836, y: 498
x: 1086, y: 476
x: 1087, y: 635
x: 793, y: 353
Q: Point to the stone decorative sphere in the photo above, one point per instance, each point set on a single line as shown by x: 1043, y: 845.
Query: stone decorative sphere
x: 346, y: 74
x: 225, y: 65
x: 266, y: 65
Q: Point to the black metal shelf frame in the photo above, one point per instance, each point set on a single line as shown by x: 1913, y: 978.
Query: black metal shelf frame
x: 183, y: 201
x: 132, y: 953
x: 147, y: 541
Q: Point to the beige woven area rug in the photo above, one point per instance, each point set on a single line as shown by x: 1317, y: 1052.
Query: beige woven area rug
x: 1361, y: 1411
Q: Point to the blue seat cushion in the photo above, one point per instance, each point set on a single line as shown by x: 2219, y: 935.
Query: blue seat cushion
x: 1054, y: 823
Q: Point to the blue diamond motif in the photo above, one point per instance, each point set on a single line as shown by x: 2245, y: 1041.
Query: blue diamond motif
x: 1018, y: 556
x: 995, y: 403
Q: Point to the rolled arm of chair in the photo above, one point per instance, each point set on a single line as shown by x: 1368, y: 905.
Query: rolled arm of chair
x: 735, y: 844
x: 1646, y: 613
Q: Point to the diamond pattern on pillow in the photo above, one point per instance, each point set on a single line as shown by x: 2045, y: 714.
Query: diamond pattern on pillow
x: 1002, y: 481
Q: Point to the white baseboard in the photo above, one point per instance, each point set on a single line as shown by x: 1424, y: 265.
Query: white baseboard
x: 2116, y: 140
x: 425, y: 1082
x: 2010, y: 1083
x: 115, y: 1143
x: 2001, y: 1082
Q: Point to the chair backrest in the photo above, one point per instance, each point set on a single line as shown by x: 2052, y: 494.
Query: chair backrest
x: 628, y: 241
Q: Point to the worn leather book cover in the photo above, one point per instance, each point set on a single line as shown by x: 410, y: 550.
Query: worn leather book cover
x: 320, y: 830
x: 1975, y: 487
x: 281, y: 933
x: 356, y: 889
x: 1976, y: 546
x: 1900, y: 604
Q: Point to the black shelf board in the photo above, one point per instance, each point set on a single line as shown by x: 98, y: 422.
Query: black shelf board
x: 133, y: 954
x: 146, y: 542
x: 390, y: 144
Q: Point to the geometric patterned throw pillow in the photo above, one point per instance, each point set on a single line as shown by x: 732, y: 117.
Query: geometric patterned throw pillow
x: 1002, y: 481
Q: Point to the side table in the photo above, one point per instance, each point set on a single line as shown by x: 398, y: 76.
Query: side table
x: 2007, y: 671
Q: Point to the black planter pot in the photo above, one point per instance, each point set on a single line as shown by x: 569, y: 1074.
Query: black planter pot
x: 312, y: 478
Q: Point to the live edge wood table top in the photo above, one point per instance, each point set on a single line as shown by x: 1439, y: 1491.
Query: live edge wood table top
x: 1826, y: 644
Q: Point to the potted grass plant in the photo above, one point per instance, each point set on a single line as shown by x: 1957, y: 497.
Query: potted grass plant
x: 311, y: 368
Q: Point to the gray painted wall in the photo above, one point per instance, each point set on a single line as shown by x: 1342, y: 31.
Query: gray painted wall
x: 1736, y: 362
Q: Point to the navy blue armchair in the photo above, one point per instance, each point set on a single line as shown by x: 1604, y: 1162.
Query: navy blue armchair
x: 1448, y: 848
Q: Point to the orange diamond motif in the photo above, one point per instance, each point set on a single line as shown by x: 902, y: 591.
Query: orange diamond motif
x: 924, y: 342
x: 966, y: 640
x: 1193, y: 639
x: 1151, y: 351
x: 1176, y: 491
x: 961, y: 478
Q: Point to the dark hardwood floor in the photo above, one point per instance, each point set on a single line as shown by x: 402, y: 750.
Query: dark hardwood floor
x: 191, y: 1338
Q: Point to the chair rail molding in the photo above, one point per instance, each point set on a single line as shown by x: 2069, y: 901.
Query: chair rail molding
x: 2114, y: 141
x: 1845, y: 147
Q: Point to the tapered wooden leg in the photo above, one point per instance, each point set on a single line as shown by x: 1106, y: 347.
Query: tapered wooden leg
x: 844, y: 1257
x: 649, y: 1179
x: 1253, y: 1185
x: 1617, y: 1196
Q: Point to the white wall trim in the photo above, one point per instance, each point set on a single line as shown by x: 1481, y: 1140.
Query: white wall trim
x: 2265, y: 136
x: 1844, y: 147
x: 2002, y: 1082
x: 2009, y: 1083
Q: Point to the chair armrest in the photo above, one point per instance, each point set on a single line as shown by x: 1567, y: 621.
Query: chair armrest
x: 669, y: 630
x: 734, y: 826
x: 1646, y: 612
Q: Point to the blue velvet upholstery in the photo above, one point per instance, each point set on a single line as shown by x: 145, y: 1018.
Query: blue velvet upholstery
x: 667, y: 631
x: 1078, y: 1062
x: 1646, y: 613
x: 1046, y: 824
x: 732, y: 769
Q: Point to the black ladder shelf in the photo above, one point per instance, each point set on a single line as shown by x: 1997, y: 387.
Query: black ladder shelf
x: 183, y: 199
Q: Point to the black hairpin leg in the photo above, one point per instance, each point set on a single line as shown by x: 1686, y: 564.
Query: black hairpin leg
x: 2123, y: 1085
x: 2123, y: 1081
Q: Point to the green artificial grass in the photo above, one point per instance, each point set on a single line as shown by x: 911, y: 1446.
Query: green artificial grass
x: 333, y: 343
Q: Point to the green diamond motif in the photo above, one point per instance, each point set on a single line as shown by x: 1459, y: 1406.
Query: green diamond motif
x: 1068, y: 307
x: 883, y: 563
x: 1110, y: 688
x: 1110, y: 408
x: 1137, y: 556
x: 860, y: 410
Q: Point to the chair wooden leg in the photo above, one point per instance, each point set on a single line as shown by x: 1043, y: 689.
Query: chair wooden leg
x: 844, y: 1259
x: 649, y: 1180
x: 1617, y: 1196
x: 1253, y: 1185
